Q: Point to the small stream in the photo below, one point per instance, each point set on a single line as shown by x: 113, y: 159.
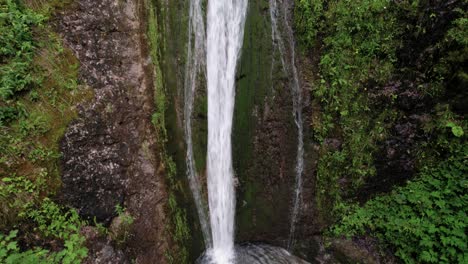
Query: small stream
x: 289, y: 67
x: 196, y: 52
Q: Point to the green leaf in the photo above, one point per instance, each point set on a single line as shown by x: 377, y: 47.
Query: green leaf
x: 12, y: 246
x: 457, y: 131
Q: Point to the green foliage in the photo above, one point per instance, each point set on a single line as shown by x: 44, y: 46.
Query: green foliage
x: 366, y: 45
x: 121, y: 213
x: 8, y: 114
x: 17, y: 194
x: 10, y: 253
x: 55, y: 222
x: 456, y: 129
x: 357, y: 43
x: 308, y: 13
x: 33, y: 58
x: 424, y: 221
x: 21, y: 197
x: 16, y: 47
x: 359, y: 40
x: 459, y: 32
x: 65, y: 227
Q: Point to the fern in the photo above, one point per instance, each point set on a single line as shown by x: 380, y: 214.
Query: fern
x: 426, y: 220
x: 16, y: 47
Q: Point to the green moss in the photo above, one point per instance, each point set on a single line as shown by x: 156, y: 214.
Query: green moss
x: 253, y: 83
x: 200, y: 131
x: 47, y: 7
x: 163, y: 119
x: 262, y: 93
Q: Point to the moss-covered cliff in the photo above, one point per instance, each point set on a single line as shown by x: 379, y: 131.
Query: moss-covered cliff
x: 389, y: 84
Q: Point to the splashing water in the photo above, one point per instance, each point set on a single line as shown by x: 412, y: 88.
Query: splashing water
x: 257, y: 253
x: 225, y: 29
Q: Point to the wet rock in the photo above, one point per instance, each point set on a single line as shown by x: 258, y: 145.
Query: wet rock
x: 98, y: 146
x: 109, y: 151
x: 102, y: 252
x: 90, y: 233
x: 265, y: 136
x: 395, y: 162
x: 120, y: 228
x: 100, y: 248
x: 94, y: 167
x: 346, y: 252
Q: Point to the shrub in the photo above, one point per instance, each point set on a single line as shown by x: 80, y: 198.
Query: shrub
x: 20, y: 198
x: 16, y: 47
x: 424, y: 221
x: 8, y: 114
x: 51, y: 222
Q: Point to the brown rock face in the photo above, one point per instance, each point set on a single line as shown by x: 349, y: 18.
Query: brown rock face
x: 109, y: 151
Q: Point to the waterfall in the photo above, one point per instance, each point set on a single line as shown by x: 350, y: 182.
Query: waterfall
x: 225, y: 29
x: 224, y: 35
x: 289, y: 66
x: 196, y: 52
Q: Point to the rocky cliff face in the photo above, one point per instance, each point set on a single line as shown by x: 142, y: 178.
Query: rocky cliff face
x: 266, y: 137
x: 109, y: 151
x: 264, y: 133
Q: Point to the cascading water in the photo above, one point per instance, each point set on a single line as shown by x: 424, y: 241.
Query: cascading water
x: 289, y: 66
x: 196, y: 52
x: 225, y: 29
x: 276, y: 35
x: 225, y: 26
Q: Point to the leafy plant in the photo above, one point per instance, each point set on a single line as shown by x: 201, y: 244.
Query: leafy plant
x: 456, y: 129
x: 358, y: 42
x: 20, y: 196
x: 10, y: 252
x: 31, y: 124
x: 50, y: 221
x: 366, y: 46
x: 8, y: 114
x: 16, y: 47
x: 308, y: 13
x: 424, y: 221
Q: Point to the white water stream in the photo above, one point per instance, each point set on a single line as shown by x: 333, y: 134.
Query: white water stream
x: 221, y: 45
x: 289, y: 66
x: 225, y: 30
x: 196, y: 52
